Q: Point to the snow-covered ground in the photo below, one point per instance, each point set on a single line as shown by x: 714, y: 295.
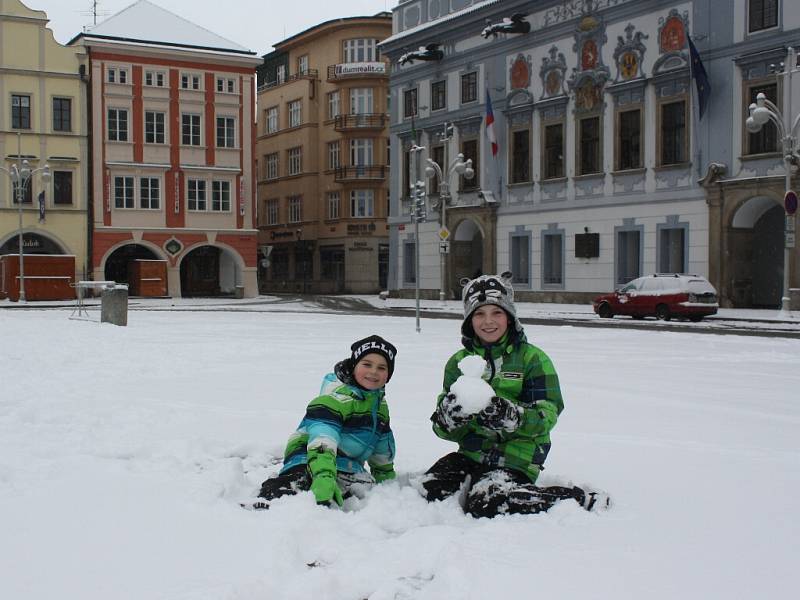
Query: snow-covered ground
x: 125, y: 451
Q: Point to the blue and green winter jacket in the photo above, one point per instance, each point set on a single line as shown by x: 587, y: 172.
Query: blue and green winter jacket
x: 350, y: 422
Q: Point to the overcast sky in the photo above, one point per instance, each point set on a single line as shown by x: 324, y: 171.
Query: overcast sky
x: 254, y: 24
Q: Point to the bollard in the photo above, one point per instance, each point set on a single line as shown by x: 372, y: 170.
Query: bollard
x: 114, y: 305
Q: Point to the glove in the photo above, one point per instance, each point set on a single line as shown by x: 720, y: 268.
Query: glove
x: 322, y: 466
x: 500, y: 415
x: 450, y: 415
x: 382, y: 473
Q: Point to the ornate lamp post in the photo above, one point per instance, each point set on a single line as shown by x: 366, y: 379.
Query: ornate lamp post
x: 459, y: 166
x: 20, y: 174
x: 761, y: 112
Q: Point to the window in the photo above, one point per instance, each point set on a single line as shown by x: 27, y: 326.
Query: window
x: 333, y: 105
x: 553, y: 151
x: 589, y: 146
x: 765, y: 140
x: 295, y: 116
x: 628, y: 255
x: 221, y: 196
x: 123, y: 192
x: 333, y: 205
x: 469, y: 148
x: 405, y: 191
x: 520, y: 156
x: 361, y: 152
x: 410, y: 103
x: 333, y: 155
x: 437, y: 154
x: 762, y: 14
x: 361, y: 50
x: 62, y: 114
x: 302, y: 64
x: 469, y: 87
x: 272, y: 119
x: 196, y: 189
x: 295, y: 156
x: 362, y: 203
x: 272, y: 211
x: 295, y: 209
x: 150, y: 193
x: 20, y: 112
x: 117, y: 75
x: 552, y: 259
x: 225, y: 132
x: 629, y: 140
x: 111, y: 76
x: 226, y: 85
x: 62, y: 187
x: 520, y: 258
x: 190, y: 81
x: 154, y: 127
x: 190, y: 130
x: 280, y: 73
x: 671, y: 250
x: 361, y: 101
x: 673, y: 133
x: 272, y: 165
x: 439, y: 95
x: 117, y: 125
x: 409, y: 263
x: 154, y: 78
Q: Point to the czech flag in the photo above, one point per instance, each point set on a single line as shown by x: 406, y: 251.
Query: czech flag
x: 490, y: 124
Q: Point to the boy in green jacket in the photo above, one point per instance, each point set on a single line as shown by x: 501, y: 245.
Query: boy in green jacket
x: 502, y: 448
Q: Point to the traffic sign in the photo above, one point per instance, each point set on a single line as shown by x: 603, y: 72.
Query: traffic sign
x: 790, y: 202
x: 444, y: 233
x: 789, y: 240
x: 444, y: 247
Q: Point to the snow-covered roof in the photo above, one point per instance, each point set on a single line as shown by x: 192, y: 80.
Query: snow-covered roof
x: 429, y: 24
x: 148, y: 23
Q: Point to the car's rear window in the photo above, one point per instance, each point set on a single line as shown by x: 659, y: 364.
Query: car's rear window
x: 700, y: 286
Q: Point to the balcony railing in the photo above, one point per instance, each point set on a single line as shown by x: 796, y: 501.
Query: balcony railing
x: 309, y: 74
x: 361, y: 172
x: 360, y: 69
x: 361, y: 121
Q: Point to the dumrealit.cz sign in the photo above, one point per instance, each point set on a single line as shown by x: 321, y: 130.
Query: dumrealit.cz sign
x: 376, y: 68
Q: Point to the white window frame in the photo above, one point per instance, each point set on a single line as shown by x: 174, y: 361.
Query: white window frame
x: 334, y: 155
x: 302, y: 64
x: 334, y: 203
x: 295, y: 209
x: 295, y: 108
x: 220, y: 195
x: 229, y: 132
x: 361, y: 101
x: 195, y: 129
x: 150, y: 193
x: 361, y: 152
x: 280, y: 73
x: 295, y: 160
x: 191, y: 81
x: 359, y: 50
x: 127, y: 200
x: 154, y: 78
x: 334, y: 104
x: 117, y: 133
x: 272, y: 119
x: 272, y: 161
x: 196, y: 195
x: 158, y: 135
x: 273, y: 207
x: 362, y: 204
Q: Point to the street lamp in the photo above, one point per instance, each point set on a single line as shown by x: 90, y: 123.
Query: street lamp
x: 20, y: 175
x: 763, y: 111
x: 459, y: 166
x: 417, y: 194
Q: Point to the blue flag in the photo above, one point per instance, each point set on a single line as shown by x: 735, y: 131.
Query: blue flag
x: 41, y: 207
x: 700, y: 79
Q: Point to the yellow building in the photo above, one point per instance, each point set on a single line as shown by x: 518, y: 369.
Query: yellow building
x: 43, y: 121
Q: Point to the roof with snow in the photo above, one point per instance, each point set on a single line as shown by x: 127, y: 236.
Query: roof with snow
x: 146, y: 23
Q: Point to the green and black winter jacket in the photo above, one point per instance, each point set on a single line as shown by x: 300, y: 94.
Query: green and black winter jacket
x: 525, y: 375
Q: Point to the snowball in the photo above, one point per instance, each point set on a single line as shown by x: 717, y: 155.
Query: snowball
x: 472, y: 392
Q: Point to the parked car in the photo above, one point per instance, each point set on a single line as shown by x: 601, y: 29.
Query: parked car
x: 663, y: 295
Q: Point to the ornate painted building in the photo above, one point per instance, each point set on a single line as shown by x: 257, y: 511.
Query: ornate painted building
x: 604, y: 170
x: 43, y: 121
x: 323, y: 159
x: 173, y: 113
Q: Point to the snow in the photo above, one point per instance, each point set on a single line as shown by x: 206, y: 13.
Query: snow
x: 472, y: 392
x: 125, y: 451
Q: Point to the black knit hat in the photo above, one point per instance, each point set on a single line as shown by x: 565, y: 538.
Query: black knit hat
x: 373, y: 344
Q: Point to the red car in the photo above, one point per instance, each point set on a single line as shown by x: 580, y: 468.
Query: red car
x: 662, y: 296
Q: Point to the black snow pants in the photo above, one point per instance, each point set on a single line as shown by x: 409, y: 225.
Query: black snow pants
x: 298, y: 479
x: 492, y: 490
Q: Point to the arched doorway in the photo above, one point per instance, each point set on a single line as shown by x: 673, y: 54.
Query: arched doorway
x: 116, y: 268
x: 33, y: 243
x: 466, y: 254
x: 756, y: 243
x: 209, y: 271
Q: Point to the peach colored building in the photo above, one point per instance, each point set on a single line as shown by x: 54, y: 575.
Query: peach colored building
x: 172, y: 110
x: 322, y: 148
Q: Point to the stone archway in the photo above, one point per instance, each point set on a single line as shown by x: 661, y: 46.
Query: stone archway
x: 32, y: 243
x: 117, y: 264
x: 755, y: 244
x: 467, y: 254
x: 208, y: 270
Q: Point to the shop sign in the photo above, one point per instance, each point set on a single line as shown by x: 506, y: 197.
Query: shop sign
x: 362, y: 68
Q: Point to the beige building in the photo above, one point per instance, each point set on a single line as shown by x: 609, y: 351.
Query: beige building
x: 42, y: 120
x: 322, y: 149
